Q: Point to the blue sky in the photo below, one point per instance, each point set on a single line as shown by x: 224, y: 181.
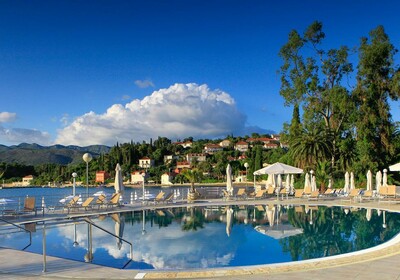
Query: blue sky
x: 98, y: 72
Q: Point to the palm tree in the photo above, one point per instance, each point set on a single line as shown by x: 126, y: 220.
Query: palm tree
x: 310, y: 147
x: 323, y: 173
x: 192, y: 175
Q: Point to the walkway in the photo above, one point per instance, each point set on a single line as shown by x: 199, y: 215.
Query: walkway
x: 379, y: 263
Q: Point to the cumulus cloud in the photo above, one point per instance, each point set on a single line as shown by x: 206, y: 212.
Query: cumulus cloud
x: 144, y: 83
x: 20, y: 135
x: 176, y: 112
x: 6, y: 117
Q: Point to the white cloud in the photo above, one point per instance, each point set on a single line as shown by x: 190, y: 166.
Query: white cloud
x: 65, y: 119
x: 176, y: 112
x: 7, y: 117
x: 22, y: 135
x: 125, y: 97
x: 144, y: 83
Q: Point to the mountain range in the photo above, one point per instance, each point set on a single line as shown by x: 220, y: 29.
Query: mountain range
x: 34, y: 154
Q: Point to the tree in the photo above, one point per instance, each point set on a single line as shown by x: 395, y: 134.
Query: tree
x: 377, y: 81
x: 314, y: 79
x: 323, y: 174
x: 193, y: 176
x: 295, y: 125
x: 310, y: 147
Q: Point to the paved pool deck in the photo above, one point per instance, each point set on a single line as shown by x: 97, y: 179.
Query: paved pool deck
x: 381, y: 262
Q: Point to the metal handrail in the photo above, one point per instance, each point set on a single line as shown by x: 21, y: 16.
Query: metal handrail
x: 131, y: 251
x: 18, y: 226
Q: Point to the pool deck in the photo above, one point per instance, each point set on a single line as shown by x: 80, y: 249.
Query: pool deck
x: 381, y: 262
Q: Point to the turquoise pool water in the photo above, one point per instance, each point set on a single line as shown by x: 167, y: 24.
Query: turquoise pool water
x: 209, y: 237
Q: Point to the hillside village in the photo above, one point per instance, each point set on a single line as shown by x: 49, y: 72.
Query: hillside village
x: 189, y: 160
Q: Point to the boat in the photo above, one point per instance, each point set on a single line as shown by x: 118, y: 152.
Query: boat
x: 100, y: 193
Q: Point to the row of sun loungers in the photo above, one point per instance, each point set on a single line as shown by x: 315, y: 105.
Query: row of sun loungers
x: 386, y: 193
x: 100, y: 201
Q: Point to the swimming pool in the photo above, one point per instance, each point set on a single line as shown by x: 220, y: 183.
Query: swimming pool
x: 209, y: 237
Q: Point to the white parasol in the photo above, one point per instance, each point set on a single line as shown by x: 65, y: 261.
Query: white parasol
x: 346, y: 182
x: 378, y: 180
x: 118, y: 185
x: 307, y: 182
x: 229, y: 186
x: 287, y: 183
x: 313, y: 183
x: 352, y: 183
x: 369, y: 180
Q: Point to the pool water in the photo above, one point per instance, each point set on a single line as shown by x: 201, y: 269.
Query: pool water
x: 210, y: 237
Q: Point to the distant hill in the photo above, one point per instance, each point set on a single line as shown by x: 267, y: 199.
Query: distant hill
x: 34, y: 154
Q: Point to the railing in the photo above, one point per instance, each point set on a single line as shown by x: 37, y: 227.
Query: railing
x: 18, y: 226
x: 106, y: 231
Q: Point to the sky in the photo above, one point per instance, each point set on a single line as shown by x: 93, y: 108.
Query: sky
x: 83, y: 72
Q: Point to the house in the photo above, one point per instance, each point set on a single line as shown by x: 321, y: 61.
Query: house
x: 242, y: 146
x: 182, y: 165
x: 166, y: 178
x: 187, y: 144
x: 146, y: 162
x: 26, y: 181
x: 169, y: 158
x: 264, y: 140
x: 225, y: 143
x: 101, y: 176
x: 269, y: 146
x: 276, y: 137
x: 268, y: 143
x: 137, y: 177
x: 212, y: 148
x: 198, y: 157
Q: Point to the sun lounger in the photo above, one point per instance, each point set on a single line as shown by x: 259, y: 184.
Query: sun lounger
x: 391, y: 191
x: 366, y: 195
x: 259, y: 194
x: 160, y: 197
x: 382, y: 192
x: 387, y: 193
x: 29, y: 206
x: 101, y: 200
x: 271, y: 190
x: 114, y: 200
x: 314, y: 195
x: 241, y: 193
x: 353, y: 195
x: 169, y: 198
x: 298, y: 193
x: 87, y: 203
x: 330, y: 192
x: 72, y: 203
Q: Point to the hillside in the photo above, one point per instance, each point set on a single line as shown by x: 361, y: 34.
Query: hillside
x: 34, y: 154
